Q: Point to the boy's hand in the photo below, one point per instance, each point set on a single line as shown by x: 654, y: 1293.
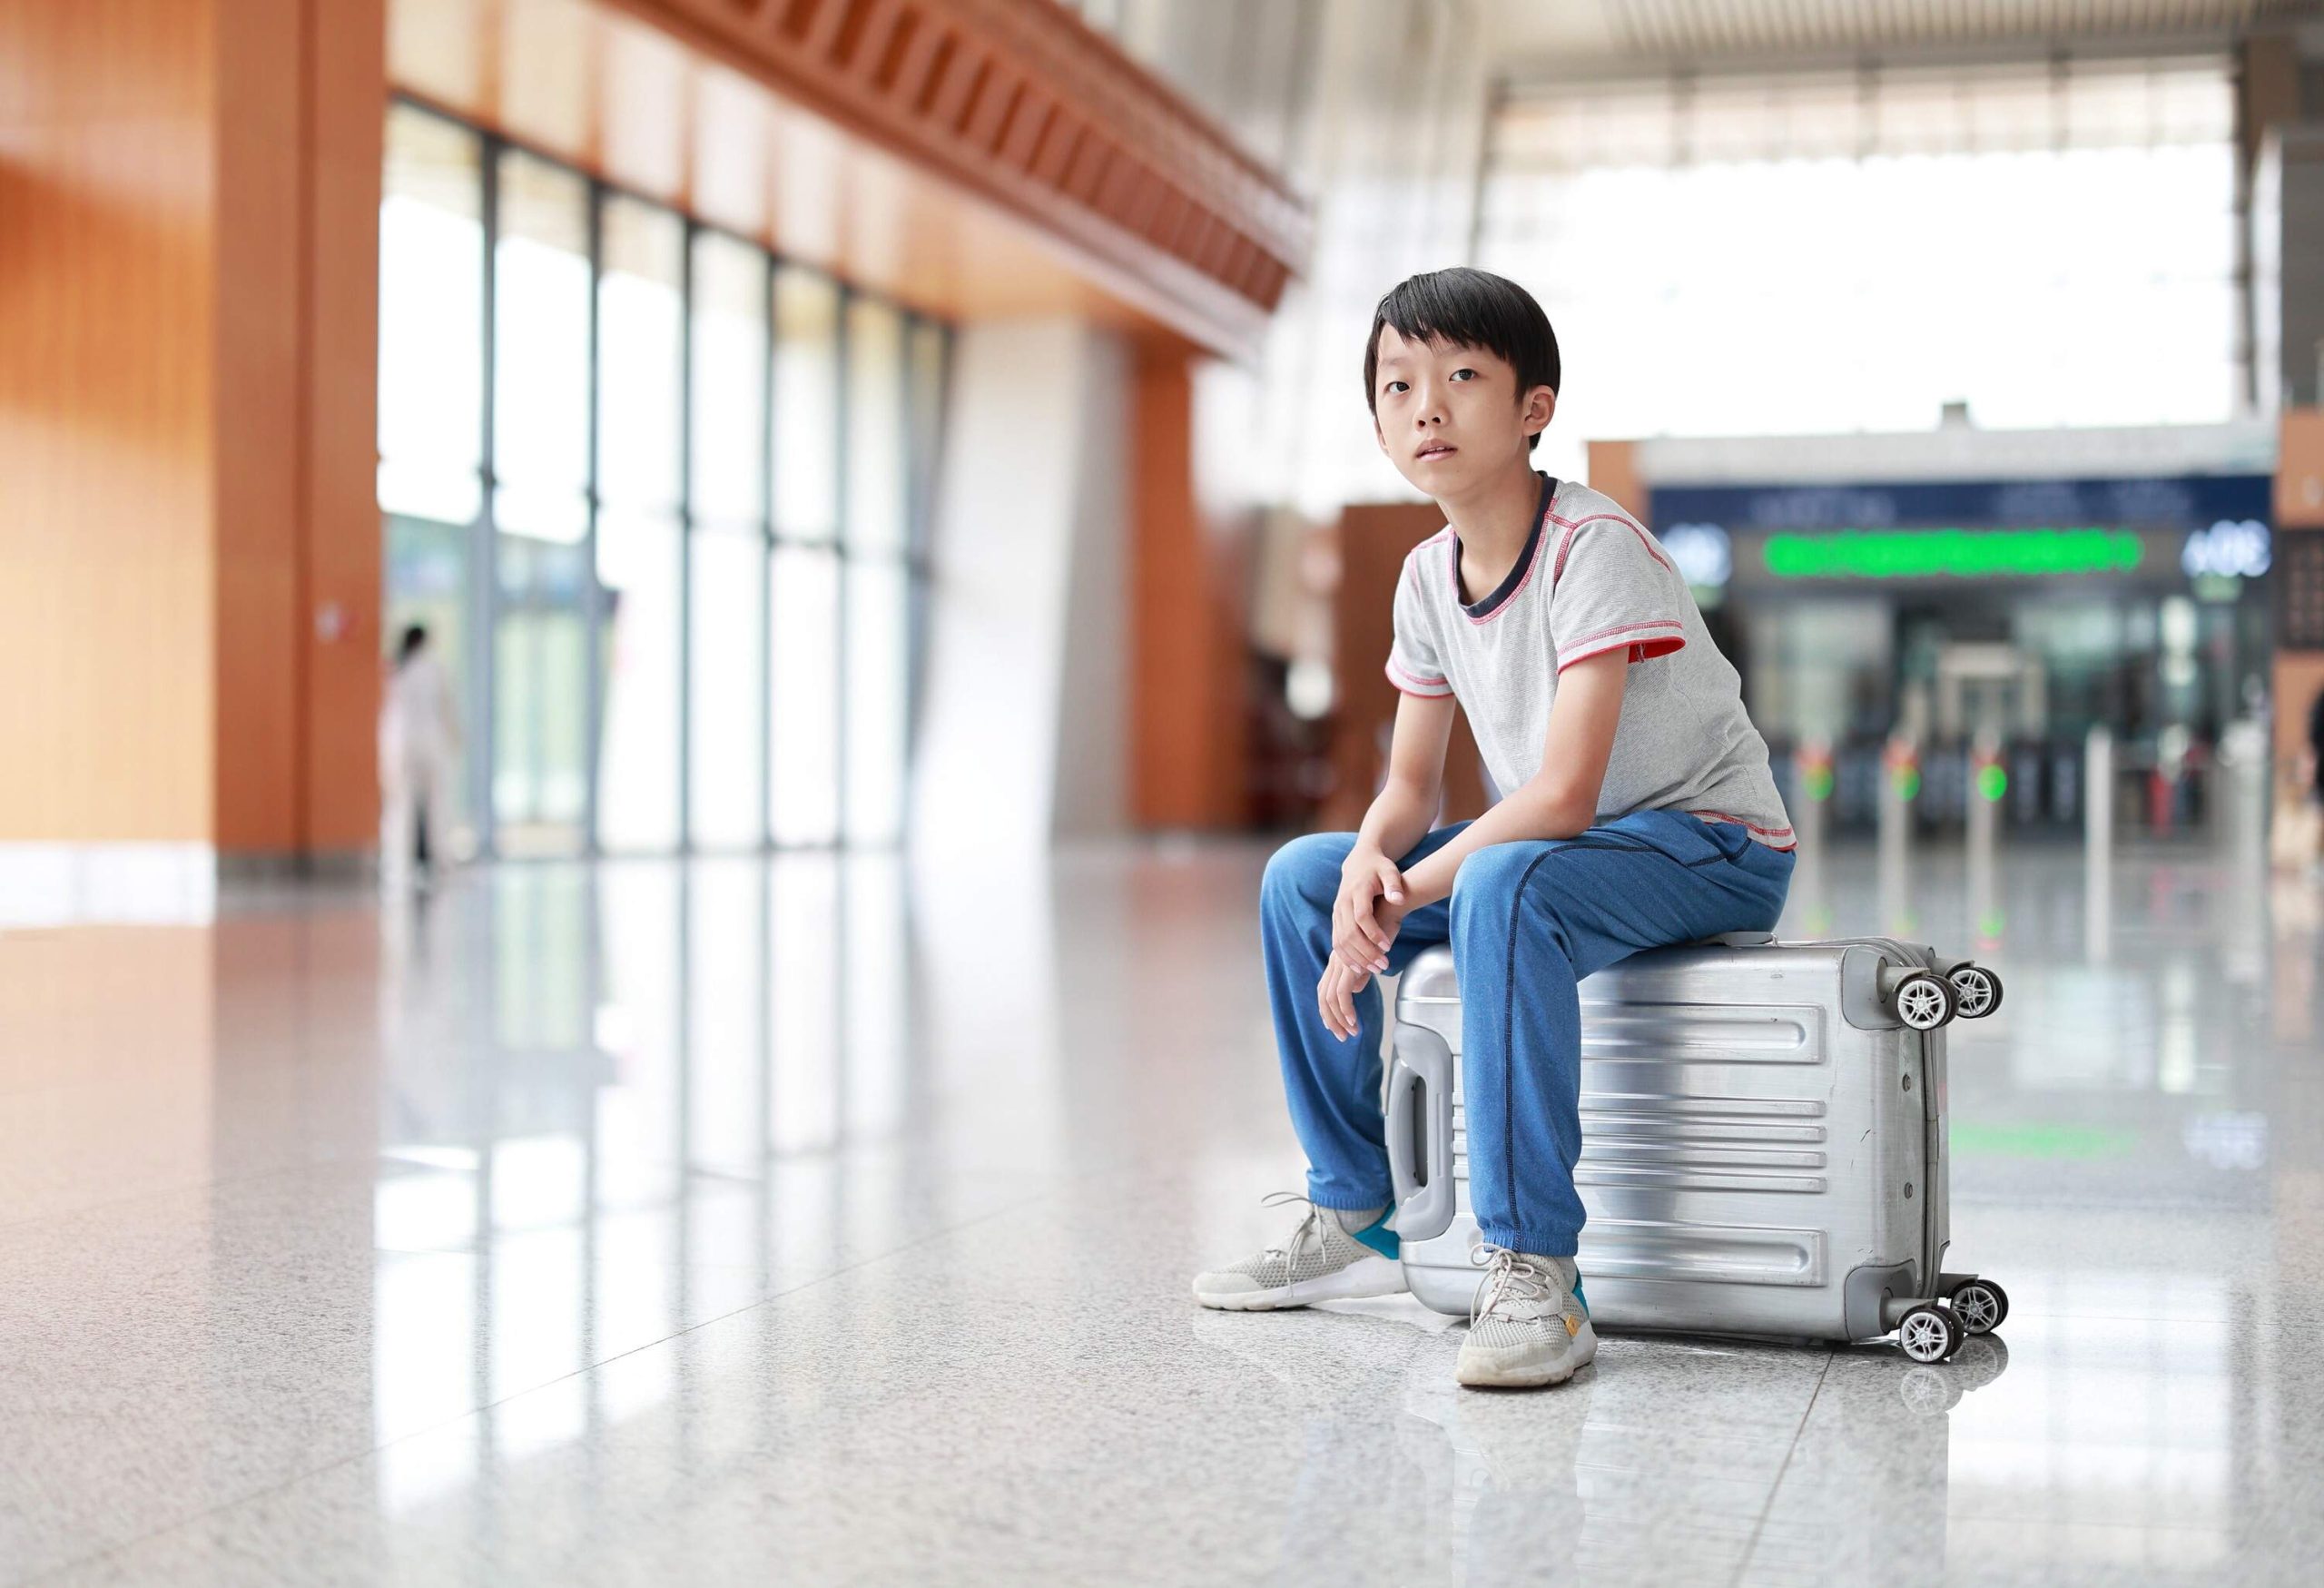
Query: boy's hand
x: 1355, y: 957
x: 1336, y: 996
x: 1372, y: 893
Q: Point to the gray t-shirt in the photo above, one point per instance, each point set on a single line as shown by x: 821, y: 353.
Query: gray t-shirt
x: 1590, y: 580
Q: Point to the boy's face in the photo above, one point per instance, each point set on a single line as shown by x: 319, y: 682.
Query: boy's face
x: 1448, y: 416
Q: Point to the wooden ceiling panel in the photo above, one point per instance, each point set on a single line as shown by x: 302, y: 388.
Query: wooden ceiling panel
x: 733, y: 142
x: 547, y: 59
x: 808, y: 181
x: 440, y: 49
x: 641, y: 110
x: 1056, y: 214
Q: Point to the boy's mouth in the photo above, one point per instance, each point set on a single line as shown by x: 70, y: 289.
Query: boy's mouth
x: 1435, y: 449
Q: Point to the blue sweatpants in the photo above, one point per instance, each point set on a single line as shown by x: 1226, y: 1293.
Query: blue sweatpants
x: 1527, y: 920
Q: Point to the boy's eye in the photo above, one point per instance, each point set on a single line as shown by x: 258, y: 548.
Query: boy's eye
x: 1394, y: 384
x: 1458, y: 373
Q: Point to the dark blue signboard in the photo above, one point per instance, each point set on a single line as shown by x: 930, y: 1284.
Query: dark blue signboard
x: 2193, y: 501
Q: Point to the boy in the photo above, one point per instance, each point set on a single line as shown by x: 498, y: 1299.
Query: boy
x: 1637, y: 810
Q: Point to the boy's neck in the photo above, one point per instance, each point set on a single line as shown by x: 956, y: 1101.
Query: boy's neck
x: 1493, y: 517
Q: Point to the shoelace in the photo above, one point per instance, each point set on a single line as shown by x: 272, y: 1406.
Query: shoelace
x: 1313, y: 1224
x: 1508, y: 1276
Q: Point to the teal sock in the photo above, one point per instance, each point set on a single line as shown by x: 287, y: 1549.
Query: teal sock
x: 1370, y: 1226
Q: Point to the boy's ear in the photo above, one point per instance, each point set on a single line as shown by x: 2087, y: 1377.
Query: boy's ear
x: 1541, y: 407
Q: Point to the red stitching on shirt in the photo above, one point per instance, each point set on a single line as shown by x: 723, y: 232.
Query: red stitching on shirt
x: 1557, y: 569
x: 1411, y: 683
x: 1574, y: 524
x: 1625, y: 628
x: 1641, y: 650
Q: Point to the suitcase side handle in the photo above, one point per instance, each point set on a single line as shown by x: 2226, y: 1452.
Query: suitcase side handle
x: 1407, y: 1169
x: 1420, y: 1132
x: 1742, y: 940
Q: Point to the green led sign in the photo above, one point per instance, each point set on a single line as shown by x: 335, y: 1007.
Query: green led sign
x: 2040, y: 1140
x: 1956, y: 554
x: 1991, y: 781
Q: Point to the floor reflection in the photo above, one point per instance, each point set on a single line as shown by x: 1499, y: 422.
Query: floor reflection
x: 542, y: 1231
x: 1661, y: 1463
x: 686, y: 1074
x: 635, y: 1096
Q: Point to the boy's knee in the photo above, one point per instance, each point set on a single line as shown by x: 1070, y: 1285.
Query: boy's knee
x: 1489, y: 878
x: 1307, y: 868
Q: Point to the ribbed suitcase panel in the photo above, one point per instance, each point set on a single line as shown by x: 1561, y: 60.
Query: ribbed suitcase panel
x: 1747, y: 1138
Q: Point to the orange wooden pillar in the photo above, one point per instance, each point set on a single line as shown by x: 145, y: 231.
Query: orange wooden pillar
x: 2298, y: 571
x: 1190, y: 677
x: 1375, y: 538
x: 1614, y: 472
x: 189, y: 547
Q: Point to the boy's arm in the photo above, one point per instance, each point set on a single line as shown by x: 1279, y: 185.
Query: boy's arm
x: 1405, y: 808
x: 1400, y: 817
x: 1558, y: 801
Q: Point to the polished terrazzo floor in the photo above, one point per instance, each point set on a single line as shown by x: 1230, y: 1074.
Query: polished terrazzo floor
x: 824, y: 1221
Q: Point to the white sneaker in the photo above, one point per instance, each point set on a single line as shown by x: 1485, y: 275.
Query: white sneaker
x: 1528, y: 1326
x: 1320, y: 1262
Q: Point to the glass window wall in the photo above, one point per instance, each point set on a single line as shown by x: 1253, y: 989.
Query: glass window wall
x: 662, y: 497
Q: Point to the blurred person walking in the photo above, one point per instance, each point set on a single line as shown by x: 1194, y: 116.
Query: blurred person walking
x: 419, y: 733
x: 2296, y: 831
x: 2310, y: 822
x: 2316, y: 749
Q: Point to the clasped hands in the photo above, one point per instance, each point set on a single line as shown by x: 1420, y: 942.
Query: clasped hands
x: 1364, y: 918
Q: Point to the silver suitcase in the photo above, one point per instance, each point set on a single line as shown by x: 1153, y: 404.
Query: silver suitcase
x: 1763, y: 1141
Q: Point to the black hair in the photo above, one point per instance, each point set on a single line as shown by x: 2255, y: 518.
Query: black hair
x: 1470, y: 308
x: 415, y: 639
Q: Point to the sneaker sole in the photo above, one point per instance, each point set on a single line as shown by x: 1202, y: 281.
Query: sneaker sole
x: 1366, y: 1277
x: 1482, y: 1369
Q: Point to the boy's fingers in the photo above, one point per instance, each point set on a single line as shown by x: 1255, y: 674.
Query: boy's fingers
x: 1392, y: 884
x: 1334, y: 1000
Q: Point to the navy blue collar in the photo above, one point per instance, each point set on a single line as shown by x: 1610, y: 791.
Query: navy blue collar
x: 1515, y: 576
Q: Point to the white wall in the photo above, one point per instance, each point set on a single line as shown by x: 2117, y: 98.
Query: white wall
x: 1093, y: 700
x: 1023, y: 727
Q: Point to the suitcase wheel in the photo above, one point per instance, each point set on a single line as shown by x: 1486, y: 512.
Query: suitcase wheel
x: 1976, y: 989
x: 1923, y: 1002
x: 1928, y: 1333
x: 1979, y: 1306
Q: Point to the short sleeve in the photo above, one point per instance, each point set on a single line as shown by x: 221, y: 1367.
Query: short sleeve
x: 1615, y: 589
x: 1415, y: 664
